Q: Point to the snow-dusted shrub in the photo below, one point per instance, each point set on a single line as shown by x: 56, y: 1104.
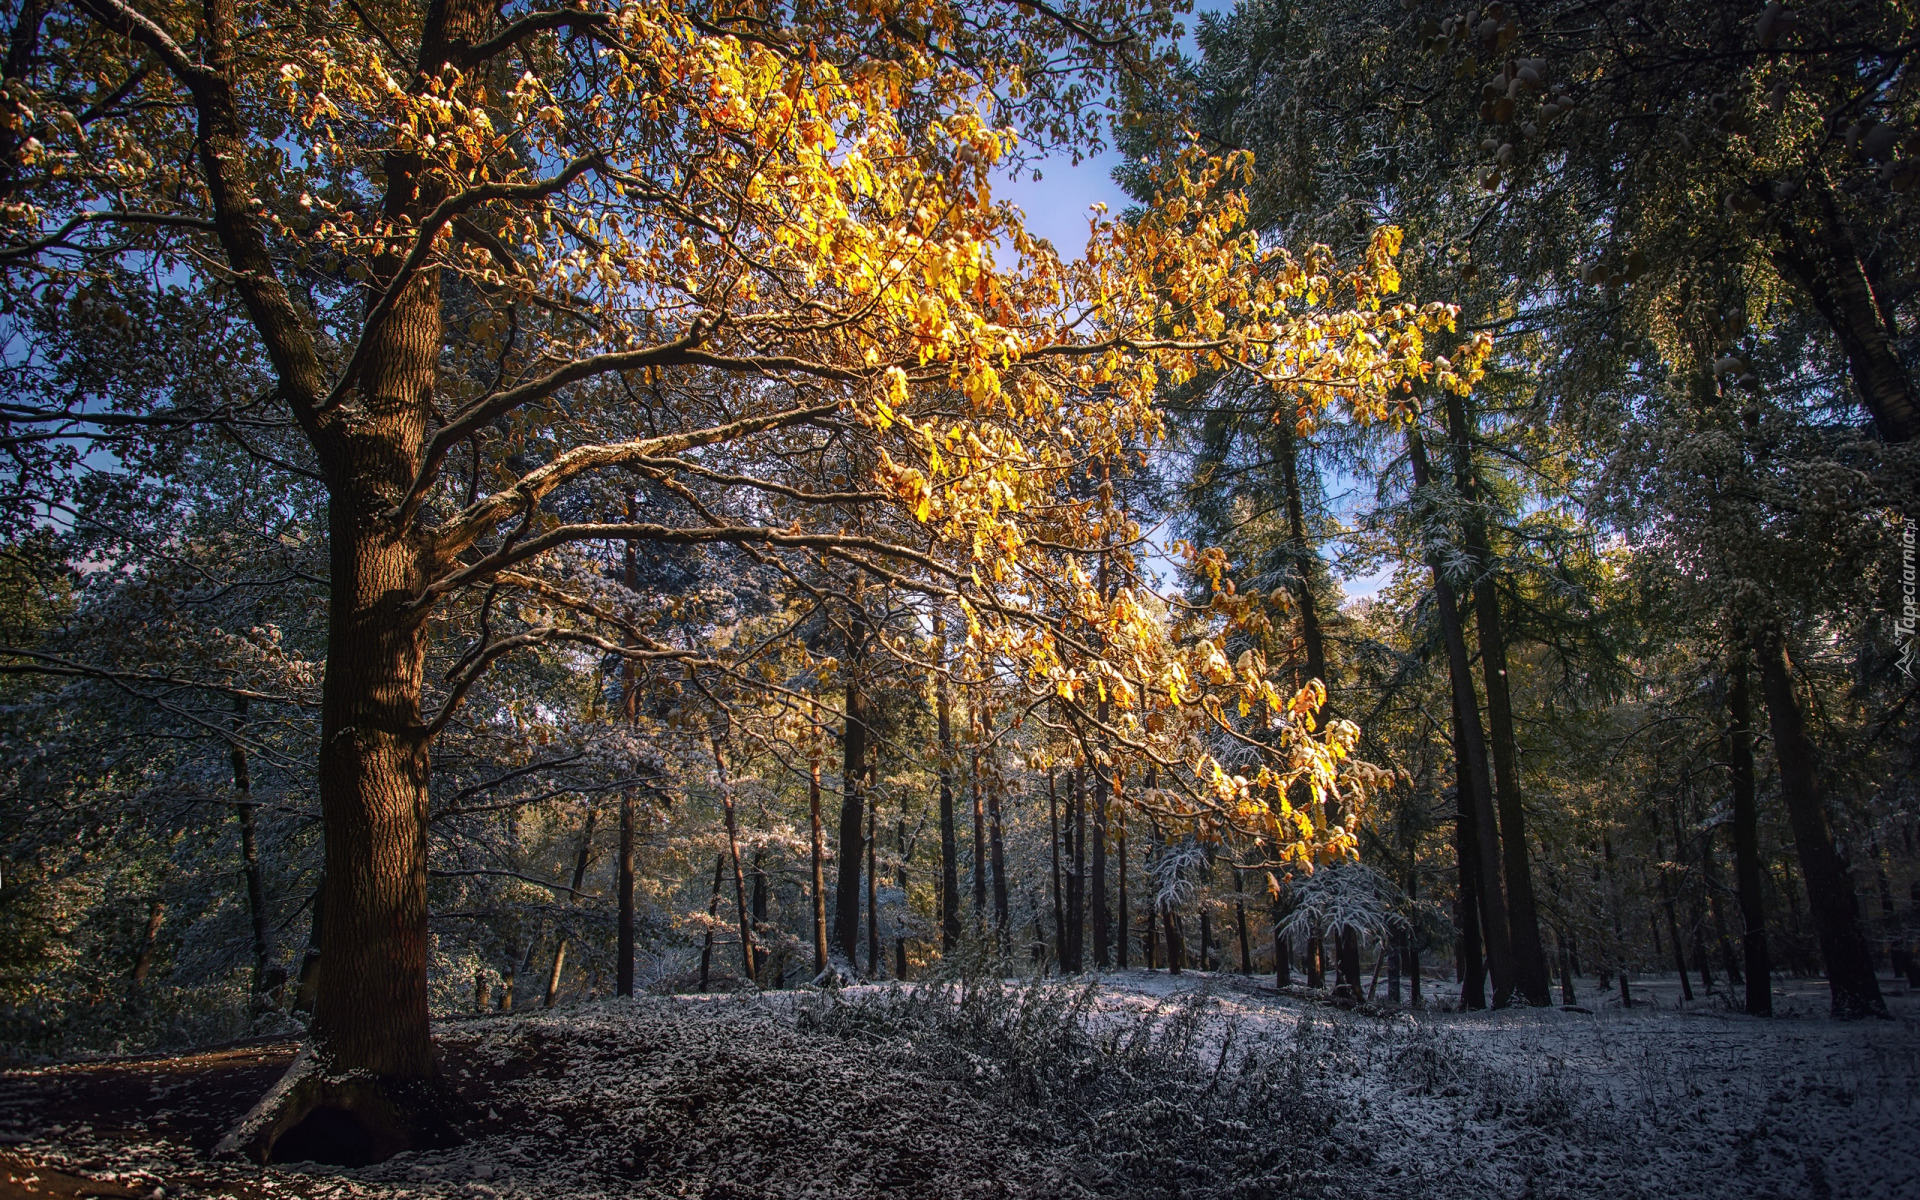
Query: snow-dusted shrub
x: 1169, y: 1104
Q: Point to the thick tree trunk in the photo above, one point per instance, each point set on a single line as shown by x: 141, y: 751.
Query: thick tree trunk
x: 1495, y: 925
x: 949, y: 838
x: 818, y: 856
x: 1829, y: 880
x: 1747, y: 869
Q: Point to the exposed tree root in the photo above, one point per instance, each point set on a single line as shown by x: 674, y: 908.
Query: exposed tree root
x: 349, y: 1119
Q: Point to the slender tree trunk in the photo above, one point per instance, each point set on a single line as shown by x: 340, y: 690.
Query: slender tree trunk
x: 759, y: 904
x: 1282, y: 955
x: 1120, y: 916
x: 949, y: 841
x: 143, y: 964
x: 1669, y: 905
x: 1059, y: 900
x: 1304, y: 555
x: 1350, y: 960
x: 1466, y: 849
x: 1412, y: 962
x: 1710, y: 873
x: 853, y: 799
x: 623, y: 932
x: 553, y: 977
x: 1176, y: 947
x: 818, y: 857
x: 873, y: 894
x: 742, y: 920
x: 1495, y: 924
x: 1529, y: 956
x: 997, y: 848
x: 713, y: 914
x: 1240, y: 922
x: 573, y: 897
x: 1619, y: 932
x: 308, y: 985
x: 1097, y: 883
x: 1747, y: 868
x: 1566, y: 971
x: 979, y: 844
x: 906, y: 853
x: 243, y: 811
x: 1077, y: 876
x: 1829, y: 880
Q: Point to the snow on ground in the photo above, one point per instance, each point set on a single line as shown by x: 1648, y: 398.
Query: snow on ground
x: 888, y: 1094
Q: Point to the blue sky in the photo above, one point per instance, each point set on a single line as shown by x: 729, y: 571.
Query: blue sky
x: 1057, y: 208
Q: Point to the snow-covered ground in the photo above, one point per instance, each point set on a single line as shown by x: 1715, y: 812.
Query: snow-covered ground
x: 792, y: 1095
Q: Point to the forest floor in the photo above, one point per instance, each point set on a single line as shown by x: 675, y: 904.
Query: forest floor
x: 1146, y: 1085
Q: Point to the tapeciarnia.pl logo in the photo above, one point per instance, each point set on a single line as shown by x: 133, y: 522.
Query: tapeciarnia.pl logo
x: 1903, y: 627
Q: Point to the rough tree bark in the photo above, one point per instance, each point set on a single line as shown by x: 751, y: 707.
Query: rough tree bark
x: 1829, y: 880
